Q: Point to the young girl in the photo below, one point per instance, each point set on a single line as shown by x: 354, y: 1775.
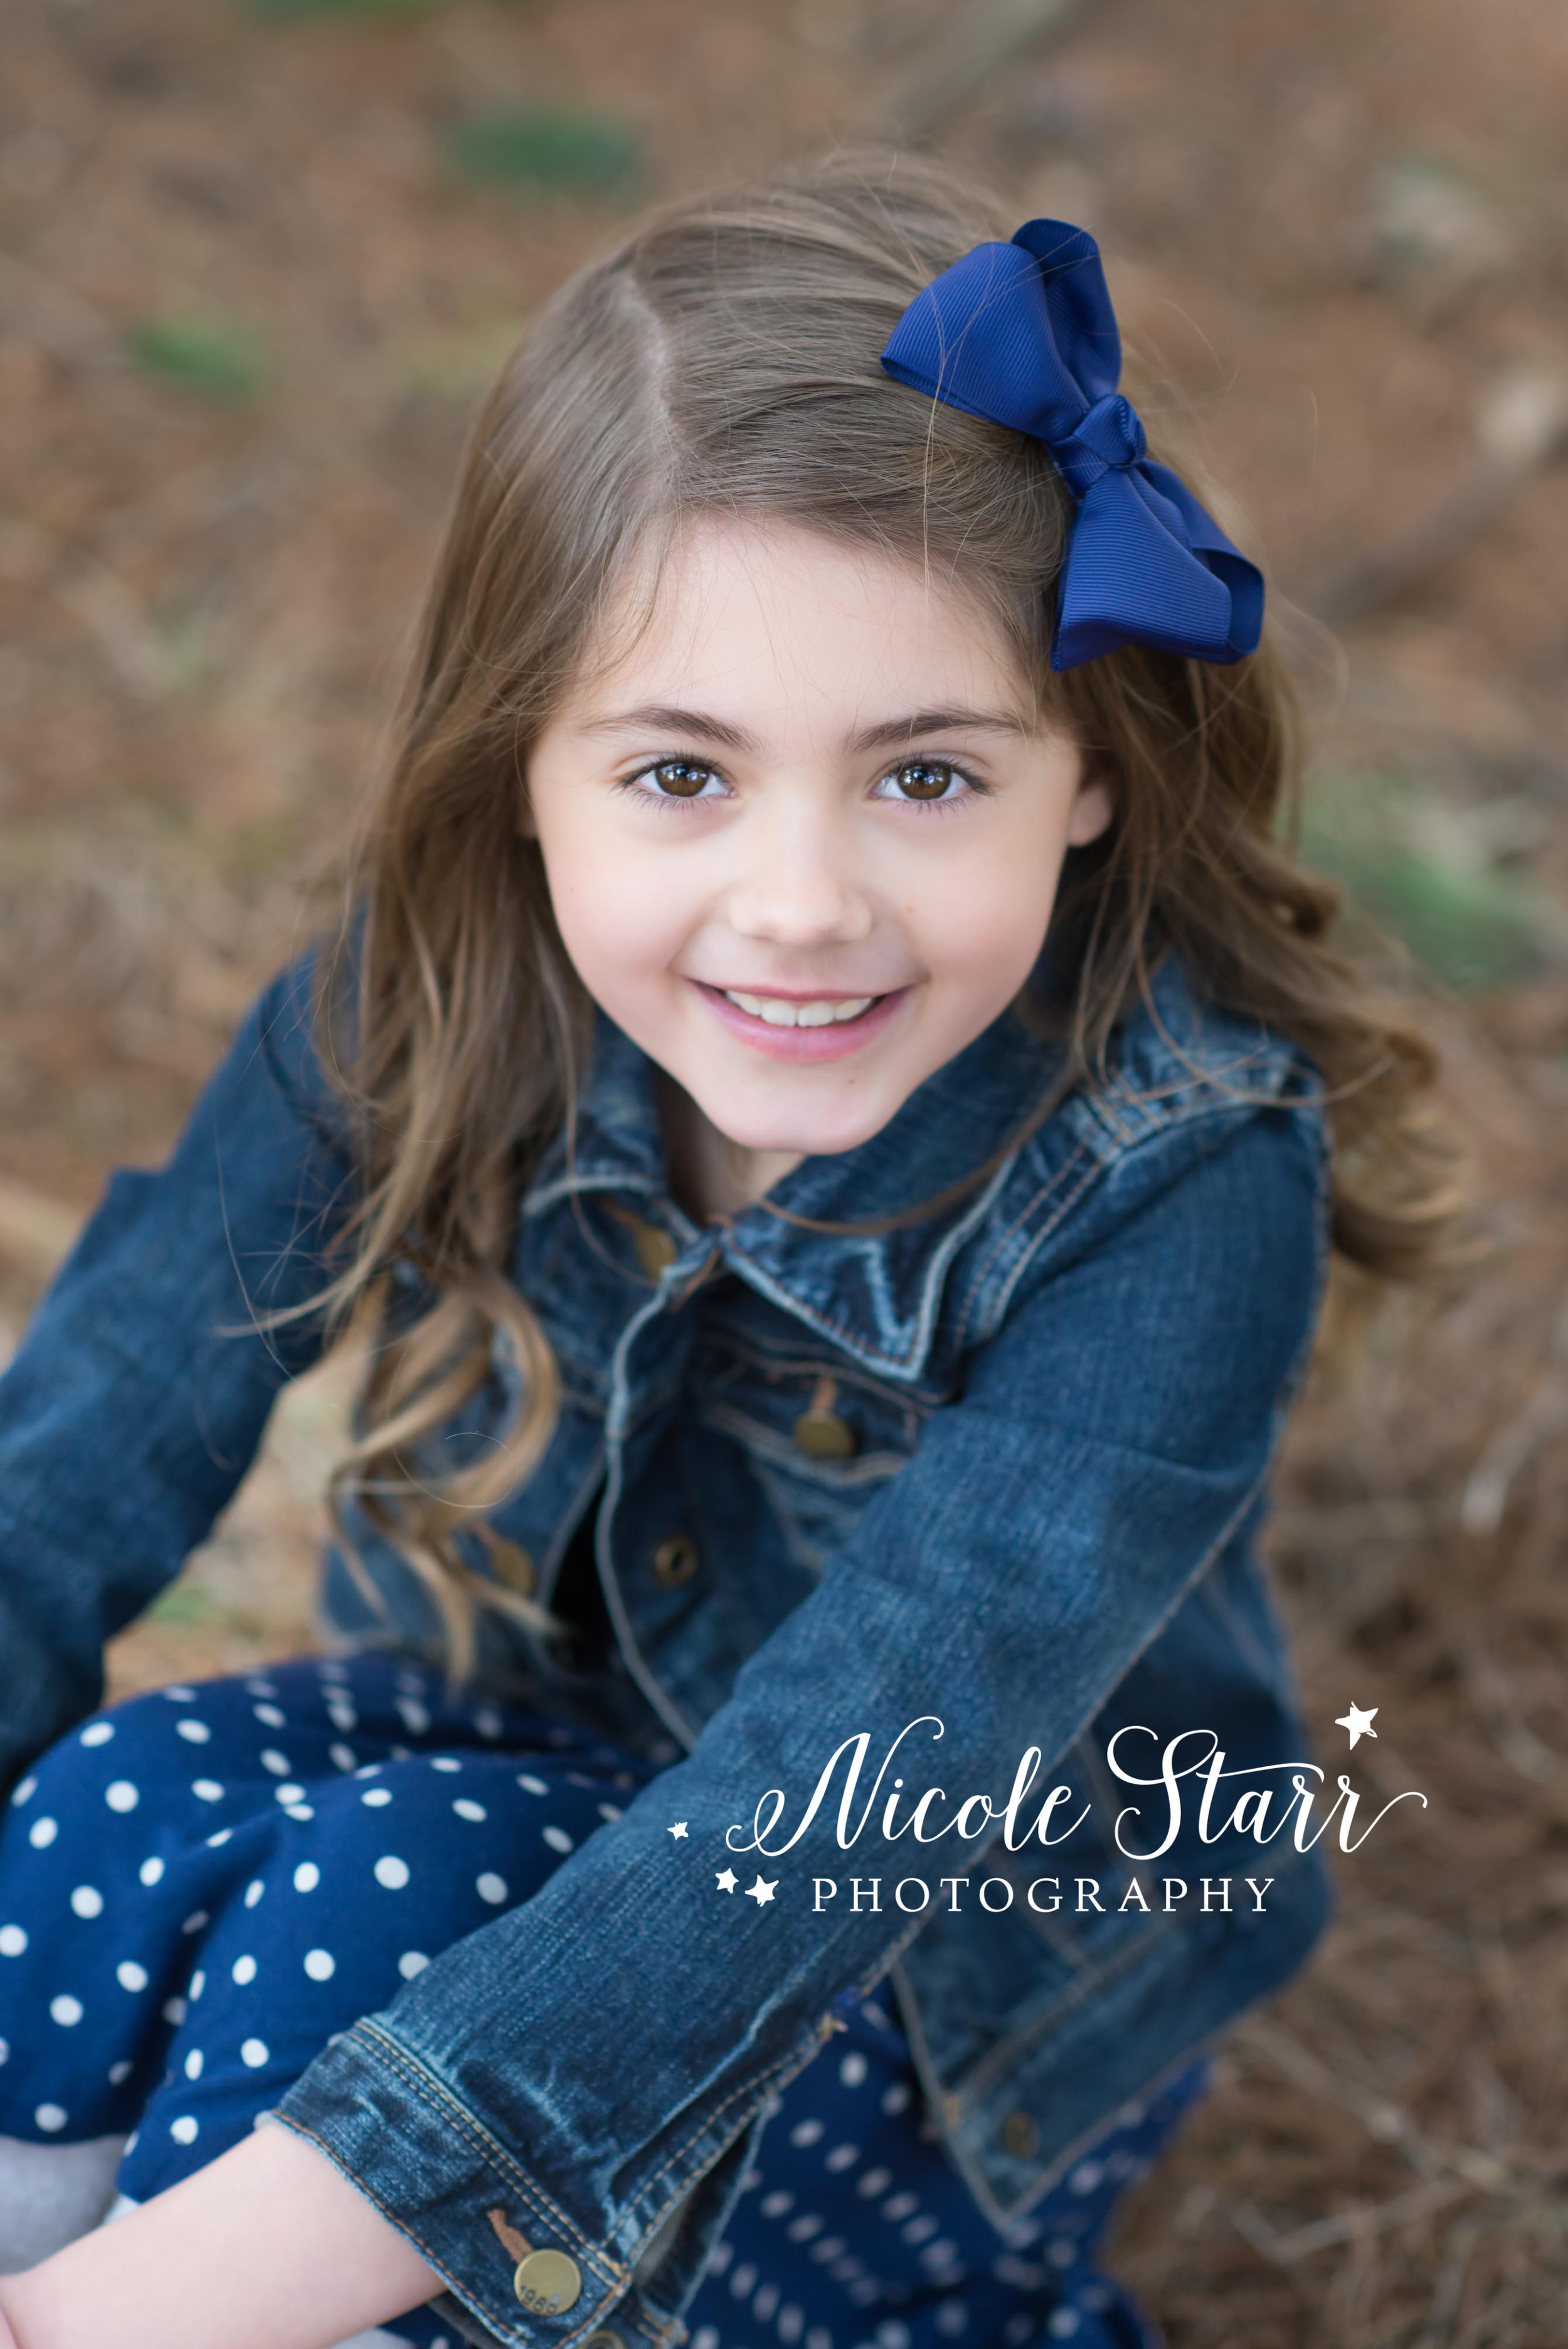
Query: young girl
x: 821, y: 1107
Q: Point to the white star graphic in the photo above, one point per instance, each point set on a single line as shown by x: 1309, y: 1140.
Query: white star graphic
x: 679, y: 1827
x: 727, y: 1879
x: 762, y: 1892
x: 1357, y: 1723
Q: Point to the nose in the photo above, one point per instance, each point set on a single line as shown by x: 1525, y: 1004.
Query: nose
x: 799, y: 882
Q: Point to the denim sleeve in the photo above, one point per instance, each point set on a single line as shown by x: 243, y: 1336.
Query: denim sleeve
x: 588, y: 2073
x: 140, y: 1389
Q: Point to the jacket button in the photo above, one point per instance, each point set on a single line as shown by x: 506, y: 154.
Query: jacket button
x: 547, y: 2281
x: 1021, y: 2136
x: 824, y: 1435
x: 513, y: 1565
x: 675, y: 1560
x: 654, y: 1249
x: 607, y: 2337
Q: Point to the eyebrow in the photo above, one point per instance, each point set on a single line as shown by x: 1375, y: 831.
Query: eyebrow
x: 666, y: 717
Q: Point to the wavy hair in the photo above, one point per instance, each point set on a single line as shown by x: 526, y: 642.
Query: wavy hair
x: 724, y: 356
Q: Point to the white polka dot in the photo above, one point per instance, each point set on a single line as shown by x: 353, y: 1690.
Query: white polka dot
x: 391, y: 1873
x: 320, y: 1964
x: 875, y: 2181
x: 766, y: 2302
x: 97, y: 1733
x: 342, y: 1757
x: 193, y: 2062
x: 801, y: 2230
x: 608, y: 1811
x: 706, y: 2335
x: 42, y: 1833
x: 1063, y: 2324
x: 951, y: 2317
x: 1061, y: 2253
x: 342, y: 1716
x: 13, y: 1940
x: 243, y: 1971
x: 183, y: 2131
x: 87, y: 1900
x: 277, y: 1763
x: 261, y: 1688
x: 195, y: 1733
x: 819, y: 2338
x: 207, y: 1790
x: 444, y: 1762
x: 174, y: 2011
x: 413, y: 1716
x: 1086, y: 2176
x: 774, y: 2205
x: 65, y: 2008
x: 151, y: 1871
x: 805, y: 2132
x: 332, y: 1670
x: 377, y: 1797
x: 842, y: 2156
x: 25, y: 1791
x: 51, y: 2117
x: 198, y: 1984
x: 221, y: 1837
x: 269, y: 1716
x: 488, y: 1721
x: 181, y: 1695
x: 306, y: 1875
x: 253, y: 2052
x: 254, y: 1891
x: 919, y: 2229
x: 288, y: 1794
x: 491, y: 1888
x: 118, y: 2074
x: 852, y: 2071
x: 558, y: 1840
x: 900, y: 2206
x: 412, y: 1963
x: 790, y: 2322
x: 896, y: 2099
x: 466, y: 1810
x: 194, y: 1922
x: 530, y: 1785
x: 1130, y: 2115
x: 130, y: 1975
x: 743, y: 2280
x: 299, y: 1810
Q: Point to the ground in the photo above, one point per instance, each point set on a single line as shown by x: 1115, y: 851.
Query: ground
x: 256, y: 264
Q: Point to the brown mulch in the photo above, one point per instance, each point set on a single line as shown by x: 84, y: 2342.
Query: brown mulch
x: 201, y: 603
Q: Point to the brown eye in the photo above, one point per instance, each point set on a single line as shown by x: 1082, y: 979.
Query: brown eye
x: 679, y: 780
x: 922, y: 778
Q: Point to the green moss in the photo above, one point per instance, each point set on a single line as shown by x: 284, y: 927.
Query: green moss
x: 217, y: 358
x: 539, y: 149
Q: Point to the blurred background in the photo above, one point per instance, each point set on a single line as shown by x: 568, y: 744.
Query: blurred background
x: 258, y: 260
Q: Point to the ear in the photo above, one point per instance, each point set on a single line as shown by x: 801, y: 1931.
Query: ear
x: 1095, y: 802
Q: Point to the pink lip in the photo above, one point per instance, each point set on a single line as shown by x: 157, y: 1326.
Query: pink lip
x: 829, y: 1043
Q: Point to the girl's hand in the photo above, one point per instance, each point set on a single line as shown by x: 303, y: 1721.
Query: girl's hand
x: 269, y: 2247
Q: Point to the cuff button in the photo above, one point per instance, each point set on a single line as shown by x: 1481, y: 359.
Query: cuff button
x: 547, y: 2282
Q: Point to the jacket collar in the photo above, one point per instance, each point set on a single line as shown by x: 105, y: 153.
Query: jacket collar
x: 876, y: 1293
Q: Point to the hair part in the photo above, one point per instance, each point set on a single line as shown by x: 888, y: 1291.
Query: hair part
x: 723, y: 358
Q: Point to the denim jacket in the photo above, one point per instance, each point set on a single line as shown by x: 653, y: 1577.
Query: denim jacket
x: 992, y: 1480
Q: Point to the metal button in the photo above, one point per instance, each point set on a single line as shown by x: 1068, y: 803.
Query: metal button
x: 547, y: 2281
x: 607, y: 2337
x: 654, y: 1249
x: 513, y: 1565
x: 675, y: 1560
x: 1020, y: 2136
x: 824, y: 1435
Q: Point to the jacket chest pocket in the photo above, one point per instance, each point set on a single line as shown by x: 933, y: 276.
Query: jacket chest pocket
x: 817, y: 1439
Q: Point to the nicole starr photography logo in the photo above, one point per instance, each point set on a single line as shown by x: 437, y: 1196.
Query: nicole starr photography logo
x: 1181, y: 1786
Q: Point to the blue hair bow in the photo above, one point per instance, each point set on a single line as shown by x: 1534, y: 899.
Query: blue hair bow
x: 1024, y: 334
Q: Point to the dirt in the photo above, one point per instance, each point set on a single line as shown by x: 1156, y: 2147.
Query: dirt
x: 248, y: 300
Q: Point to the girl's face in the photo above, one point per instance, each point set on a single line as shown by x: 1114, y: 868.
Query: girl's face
x: 802, y: 838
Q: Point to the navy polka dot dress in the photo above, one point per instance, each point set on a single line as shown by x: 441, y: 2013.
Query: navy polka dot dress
x: 200, y: 1888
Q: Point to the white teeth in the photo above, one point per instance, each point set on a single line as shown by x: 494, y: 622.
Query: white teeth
x: 779, y: 1014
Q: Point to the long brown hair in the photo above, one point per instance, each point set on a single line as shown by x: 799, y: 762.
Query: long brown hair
x: 724, y: 356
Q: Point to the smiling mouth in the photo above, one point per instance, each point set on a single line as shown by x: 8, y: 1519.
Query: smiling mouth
x: 816, y: 1011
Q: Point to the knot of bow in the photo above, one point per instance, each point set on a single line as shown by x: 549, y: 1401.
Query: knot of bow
x: 1024, y: 334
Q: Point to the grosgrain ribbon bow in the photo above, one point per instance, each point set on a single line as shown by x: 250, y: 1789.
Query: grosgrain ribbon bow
x: 1025, y: 334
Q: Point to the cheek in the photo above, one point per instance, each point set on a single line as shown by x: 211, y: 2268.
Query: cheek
x: 614, y: 915
x: 983, y: 927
